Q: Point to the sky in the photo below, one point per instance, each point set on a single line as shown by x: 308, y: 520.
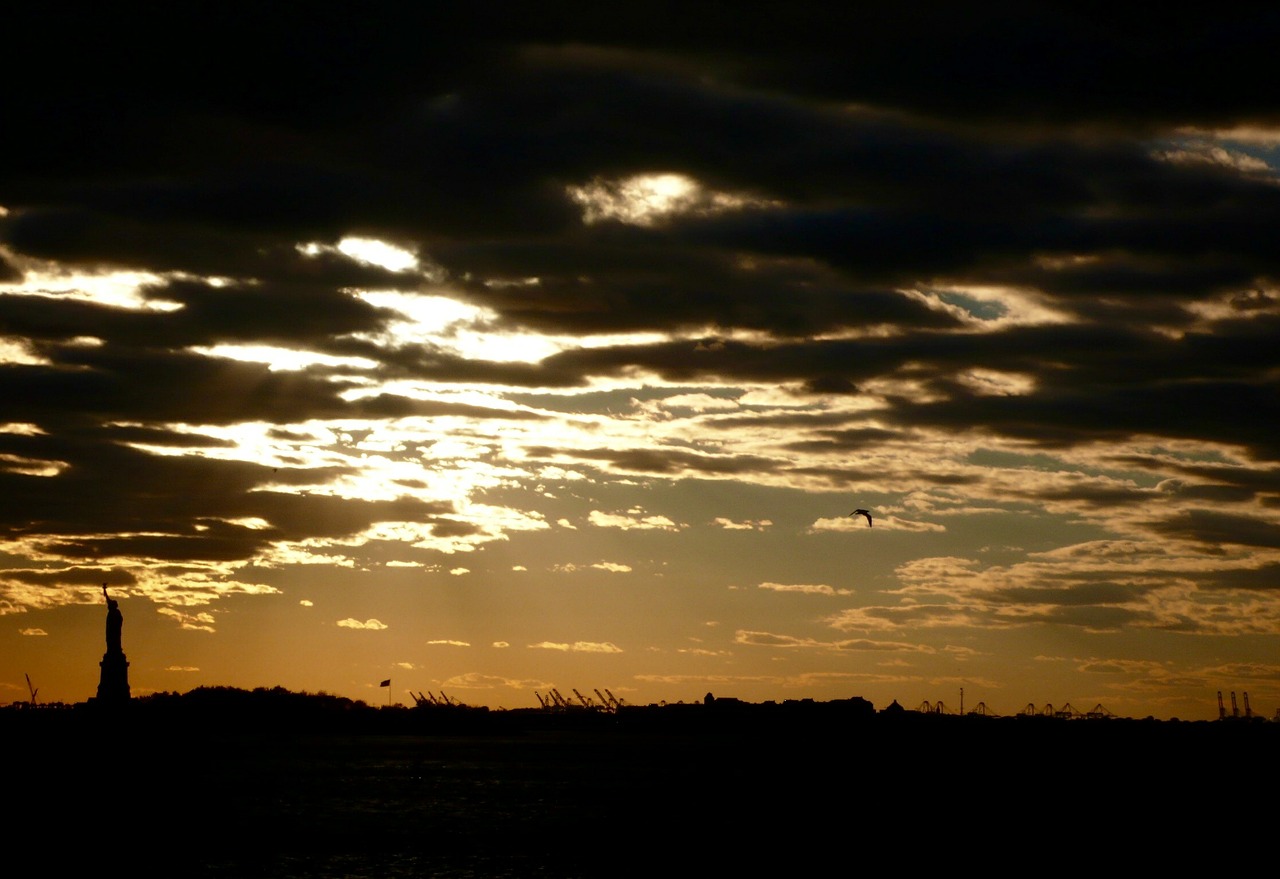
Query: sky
x: 502, y: 349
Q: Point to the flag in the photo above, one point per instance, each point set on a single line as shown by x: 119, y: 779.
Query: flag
x: 385, y: 683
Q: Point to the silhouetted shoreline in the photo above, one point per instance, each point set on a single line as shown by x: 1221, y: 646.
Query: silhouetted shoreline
x: 227, y: 783
x: 276, y: 710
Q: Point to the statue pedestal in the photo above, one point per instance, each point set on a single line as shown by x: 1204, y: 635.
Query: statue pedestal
x: 113, y: 685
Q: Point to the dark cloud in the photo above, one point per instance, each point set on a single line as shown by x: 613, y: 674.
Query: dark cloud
x: 90, y: 576
x: 625, y: 280
x: 664, y: 461
x: 8, y: 272
x: 162, y: 387
x: 1215, y: 529
x: 1097, y: 593
x: 209, y: 315
x: 1223, y: 412
x: 175, y: 507
x: 1265, y: 577
x: 849, y: 438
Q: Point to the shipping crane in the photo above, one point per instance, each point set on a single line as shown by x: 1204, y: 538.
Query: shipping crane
x: 33, y: 690
x: 617, y: 703
x: 1248, y: 712
x: 1222, y: 711
x: 586, y: 703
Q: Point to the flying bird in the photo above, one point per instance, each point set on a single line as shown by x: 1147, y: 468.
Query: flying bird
x: 862, y: 513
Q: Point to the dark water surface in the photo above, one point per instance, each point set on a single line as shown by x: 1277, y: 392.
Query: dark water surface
x: 615, y: 802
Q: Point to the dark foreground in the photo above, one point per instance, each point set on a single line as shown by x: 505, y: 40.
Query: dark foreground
x: 547, y: 799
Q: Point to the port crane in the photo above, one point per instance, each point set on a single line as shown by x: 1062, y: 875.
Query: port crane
x: 555, y: 700
x: 32, y: 689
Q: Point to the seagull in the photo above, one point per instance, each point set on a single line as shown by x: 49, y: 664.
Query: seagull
x: 862, y: 513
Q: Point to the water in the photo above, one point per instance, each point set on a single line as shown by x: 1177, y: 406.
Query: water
x: 604, y: 803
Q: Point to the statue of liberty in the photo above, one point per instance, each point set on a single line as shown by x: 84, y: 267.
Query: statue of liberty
x: 115, y: 621
x: 113, y: 686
